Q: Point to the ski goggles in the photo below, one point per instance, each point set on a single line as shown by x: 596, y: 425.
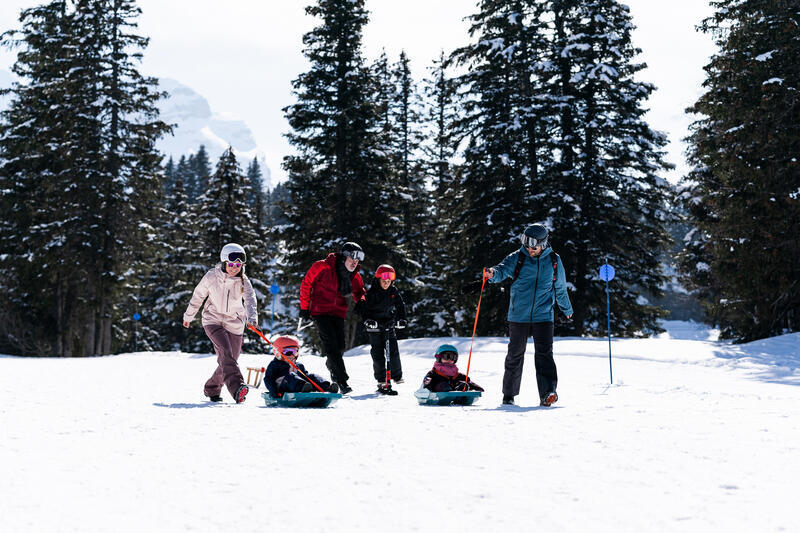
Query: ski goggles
x: 448, y: 356
x: 356, y: 255
x: 237, y: 256
x: 290, y: 351
x: 387, y: 275
x: 235, y: 264
x: 532, y: 242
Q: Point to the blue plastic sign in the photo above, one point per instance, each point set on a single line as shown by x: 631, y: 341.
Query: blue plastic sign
x: 606, y: 272
x: 136, y: 316
x: 274, y: 289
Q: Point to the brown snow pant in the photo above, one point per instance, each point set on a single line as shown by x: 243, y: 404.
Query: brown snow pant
x: 228, y: 347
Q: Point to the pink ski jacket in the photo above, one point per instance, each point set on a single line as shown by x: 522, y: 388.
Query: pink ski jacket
x: 224, y: 304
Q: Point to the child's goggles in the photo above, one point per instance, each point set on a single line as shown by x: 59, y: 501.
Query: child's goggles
x: 448, y: 356
x: 290, y: 351
x: 387, y: 275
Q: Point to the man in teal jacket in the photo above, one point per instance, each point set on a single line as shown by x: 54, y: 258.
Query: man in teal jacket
x: 530, y: 312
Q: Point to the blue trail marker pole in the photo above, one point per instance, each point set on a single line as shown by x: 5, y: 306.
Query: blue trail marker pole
x: 607, y: 274
x: 274, y: 289
x: 136, y: 317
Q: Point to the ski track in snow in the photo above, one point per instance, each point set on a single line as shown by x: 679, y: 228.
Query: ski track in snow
x: 694, y: 435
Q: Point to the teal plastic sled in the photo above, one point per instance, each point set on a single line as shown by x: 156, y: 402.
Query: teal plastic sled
x: 426, y: 397
x: 301, y: 399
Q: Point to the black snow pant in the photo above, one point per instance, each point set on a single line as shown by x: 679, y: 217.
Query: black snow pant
x: 331, y: 334
x: 378, y: 353
x: 546, y: 375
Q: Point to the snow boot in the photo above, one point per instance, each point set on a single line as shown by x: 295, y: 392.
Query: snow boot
x: 344, y: 388
x: 508, y: 400
x: 549, y: 399
x: 215, y: 398
x: 386, y: 388
x: 307, y: 387
x: 333, y: 387
x: 241, y: 394
x: 398, y: 381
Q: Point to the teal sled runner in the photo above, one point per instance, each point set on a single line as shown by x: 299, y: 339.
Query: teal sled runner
x: 426, y: 397
x: 301, y: 399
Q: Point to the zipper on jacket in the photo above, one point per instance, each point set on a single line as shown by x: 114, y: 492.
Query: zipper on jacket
x: 535, y: 288
x: 228, y: 301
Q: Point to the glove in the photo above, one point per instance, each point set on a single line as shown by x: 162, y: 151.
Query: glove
x: 371, y: 325
x: 401, y: 324
x: 473, y: 287
x: 305, y: 315
x: 359, y: 308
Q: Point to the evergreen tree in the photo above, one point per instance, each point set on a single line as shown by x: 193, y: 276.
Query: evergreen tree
x: 258, y: 196
x: 439, y: 151
x: 606, y: 198
x: 506, y: 146
x: 743, y: 196
x: 224, y: 215
x: 339, y: 164
x: 201, y: 169
x: 92, y: 163
x: 169, y: 176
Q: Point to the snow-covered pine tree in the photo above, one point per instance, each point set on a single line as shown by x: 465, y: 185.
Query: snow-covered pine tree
x: 338, y: 164
x: 743, y: 195
x: 223, y: 214
x: 606, y: 198
x: 37, y: 281
x: 506, y: 146
x: 200, y: 167
x: 170, y: 285
x: 100, y: 172
x: 169, y: 176
x: 439, y: 149
x: 411, y: 196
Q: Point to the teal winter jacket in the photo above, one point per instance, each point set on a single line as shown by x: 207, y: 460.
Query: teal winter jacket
x: 533, y: 293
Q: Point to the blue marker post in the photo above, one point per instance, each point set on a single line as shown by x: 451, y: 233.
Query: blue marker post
x: 136, y: 318
x: 607, y: 274
x: 274, y: 289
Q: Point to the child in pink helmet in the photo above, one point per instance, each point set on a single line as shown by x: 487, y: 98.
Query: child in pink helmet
x: 281, y: 376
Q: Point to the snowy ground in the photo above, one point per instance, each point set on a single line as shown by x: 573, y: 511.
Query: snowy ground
x: 694, y: 435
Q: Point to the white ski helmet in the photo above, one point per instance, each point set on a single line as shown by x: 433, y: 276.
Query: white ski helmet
x: 232, y: 252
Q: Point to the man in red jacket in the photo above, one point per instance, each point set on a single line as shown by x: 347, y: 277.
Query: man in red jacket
x: 325, y: 296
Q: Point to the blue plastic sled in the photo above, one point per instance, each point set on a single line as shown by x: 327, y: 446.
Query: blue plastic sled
x: 426, y: 397
x: 301, y: 399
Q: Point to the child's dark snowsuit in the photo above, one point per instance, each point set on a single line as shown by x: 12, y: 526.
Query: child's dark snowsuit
x: 383, y: 306
x: 445, y: 377
x: 280, y: 377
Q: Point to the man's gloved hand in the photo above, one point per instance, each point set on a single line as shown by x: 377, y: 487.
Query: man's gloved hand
x: 371, y: 325
x: 473, y: 287
x: 401, y: 324
x: 305, y: 315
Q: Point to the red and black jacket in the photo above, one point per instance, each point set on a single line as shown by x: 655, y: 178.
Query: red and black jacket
x: 319, y: 291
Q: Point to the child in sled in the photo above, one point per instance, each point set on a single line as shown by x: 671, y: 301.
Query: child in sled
x: 384, y: 304
x: 444, y: 376
x: 281, y: 377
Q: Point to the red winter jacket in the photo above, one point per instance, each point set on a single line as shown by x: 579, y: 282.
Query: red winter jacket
x: 319, y: 291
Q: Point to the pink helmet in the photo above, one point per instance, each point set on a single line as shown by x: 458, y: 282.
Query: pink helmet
x: 286, y: 345
x: 385, y: 272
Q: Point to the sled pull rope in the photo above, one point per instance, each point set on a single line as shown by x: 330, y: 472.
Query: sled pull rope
x: 474, y: 327
x: 258, y: 332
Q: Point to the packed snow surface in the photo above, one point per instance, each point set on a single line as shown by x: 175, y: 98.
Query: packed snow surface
x: 695, y: 434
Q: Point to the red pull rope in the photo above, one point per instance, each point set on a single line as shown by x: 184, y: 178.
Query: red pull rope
x: 287, y: 359
x: 474, y: 327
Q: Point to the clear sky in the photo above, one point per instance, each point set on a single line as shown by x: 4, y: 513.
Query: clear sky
x: 242, y: 55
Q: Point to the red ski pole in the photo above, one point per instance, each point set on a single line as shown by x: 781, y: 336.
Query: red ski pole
x: 287, y: 359
x: 474, y: 327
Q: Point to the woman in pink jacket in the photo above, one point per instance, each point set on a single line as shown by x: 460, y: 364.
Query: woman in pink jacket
x: 230, y: 305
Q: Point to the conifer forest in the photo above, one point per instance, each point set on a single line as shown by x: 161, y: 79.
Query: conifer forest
x: 538, y: 118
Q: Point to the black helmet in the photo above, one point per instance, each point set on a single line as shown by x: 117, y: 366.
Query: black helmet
x: 535, y: 235
x: 352, y: 250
